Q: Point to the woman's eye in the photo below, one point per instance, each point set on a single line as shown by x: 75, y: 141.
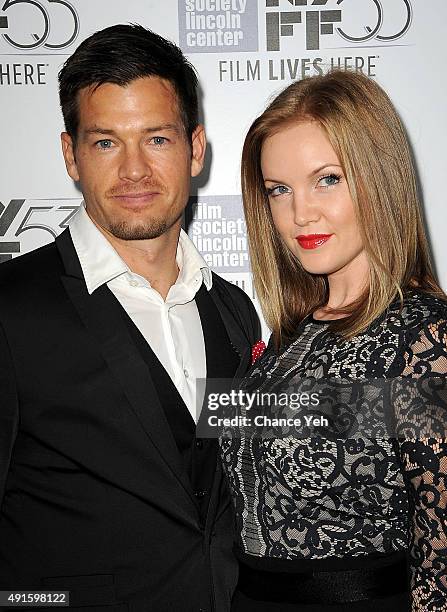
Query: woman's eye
x: 329, y: 180
x: 277, y: 190
x: 104, y: 144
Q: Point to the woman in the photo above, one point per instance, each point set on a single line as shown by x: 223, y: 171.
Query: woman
x: 341, y: 267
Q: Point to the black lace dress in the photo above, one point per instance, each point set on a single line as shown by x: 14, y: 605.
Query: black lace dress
x: 320, y: 504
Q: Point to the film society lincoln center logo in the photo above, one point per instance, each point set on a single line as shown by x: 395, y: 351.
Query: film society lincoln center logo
x: 211, y: 26
x: 207, y: 26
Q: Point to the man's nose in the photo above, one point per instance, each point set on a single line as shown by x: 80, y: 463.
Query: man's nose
x: 135, y: 164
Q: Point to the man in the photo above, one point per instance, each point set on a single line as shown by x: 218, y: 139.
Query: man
x: 105, y: 492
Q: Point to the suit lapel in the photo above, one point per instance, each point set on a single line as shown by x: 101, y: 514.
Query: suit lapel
x: 236, y: 333
x: 102, y: 315
x: 221, y: 361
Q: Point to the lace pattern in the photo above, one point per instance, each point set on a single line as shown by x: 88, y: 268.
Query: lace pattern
x: 318, y: 498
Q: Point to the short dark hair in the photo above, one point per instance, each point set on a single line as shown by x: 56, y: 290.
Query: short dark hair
x: 120, y: 54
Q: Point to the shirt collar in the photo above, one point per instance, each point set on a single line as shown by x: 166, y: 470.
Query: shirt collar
x: 100, y: 262
x: 191, y: 263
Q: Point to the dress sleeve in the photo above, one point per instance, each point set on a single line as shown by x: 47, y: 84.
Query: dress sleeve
x: 424, y: 459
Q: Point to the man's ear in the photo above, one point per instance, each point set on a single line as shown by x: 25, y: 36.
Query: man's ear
x: 198, y: 148
x: 69, y: 155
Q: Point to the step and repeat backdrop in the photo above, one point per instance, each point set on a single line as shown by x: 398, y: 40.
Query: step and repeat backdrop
x: 244, y: 51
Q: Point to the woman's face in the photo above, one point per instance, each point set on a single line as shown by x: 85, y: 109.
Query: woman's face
x: 310, y: 202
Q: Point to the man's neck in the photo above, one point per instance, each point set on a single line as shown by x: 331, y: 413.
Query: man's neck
x: 154, y: 259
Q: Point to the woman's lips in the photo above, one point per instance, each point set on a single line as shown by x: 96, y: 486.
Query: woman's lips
x: 312, y: 241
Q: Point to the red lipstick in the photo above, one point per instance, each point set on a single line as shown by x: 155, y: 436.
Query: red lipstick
x: 312, y: 241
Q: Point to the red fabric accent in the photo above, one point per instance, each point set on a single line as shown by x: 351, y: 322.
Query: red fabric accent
x: 257, y: 350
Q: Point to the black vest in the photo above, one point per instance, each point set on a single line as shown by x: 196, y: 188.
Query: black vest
x: 199, y: 455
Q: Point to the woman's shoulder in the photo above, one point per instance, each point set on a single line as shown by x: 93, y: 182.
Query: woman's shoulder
x: 418, y: 310
x: 423, y: 322
x: 427, y: 303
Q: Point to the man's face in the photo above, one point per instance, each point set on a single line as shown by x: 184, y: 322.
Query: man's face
x: 132, y: 158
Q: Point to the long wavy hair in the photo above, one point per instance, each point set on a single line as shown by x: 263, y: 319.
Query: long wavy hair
x: 369, y: 139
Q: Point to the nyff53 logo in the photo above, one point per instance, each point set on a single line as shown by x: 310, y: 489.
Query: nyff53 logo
x: 354, y: 21
x: 29, y: 24
x: 28, y: 224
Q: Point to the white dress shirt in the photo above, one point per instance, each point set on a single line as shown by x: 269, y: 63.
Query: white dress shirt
x: 171, y: 327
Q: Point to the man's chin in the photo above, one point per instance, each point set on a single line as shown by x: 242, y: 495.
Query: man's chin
x: 124, y: 231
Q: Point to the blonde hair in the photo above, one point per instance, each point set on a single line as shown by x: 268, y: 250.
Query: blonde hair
x: 369, y: 139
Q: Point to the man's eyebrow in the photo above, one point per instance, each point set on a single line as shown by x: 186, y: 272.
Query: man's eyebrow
x: 172, y: 127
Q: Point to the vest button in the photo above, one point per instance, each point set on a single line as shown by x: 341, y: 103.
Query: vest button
x: 199, y: 444
x: 200, y: 494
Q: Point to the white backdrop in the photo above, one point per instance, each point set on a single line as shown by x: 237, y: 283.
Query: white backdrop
x: 244, y: 51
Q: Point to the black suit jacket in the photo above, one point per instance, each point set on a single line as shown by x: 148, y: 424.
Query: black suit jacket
x: 94, y: 496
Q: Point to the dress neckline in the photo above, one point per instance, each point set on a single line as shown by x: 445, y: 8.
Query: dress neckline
x: 323, y: 321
